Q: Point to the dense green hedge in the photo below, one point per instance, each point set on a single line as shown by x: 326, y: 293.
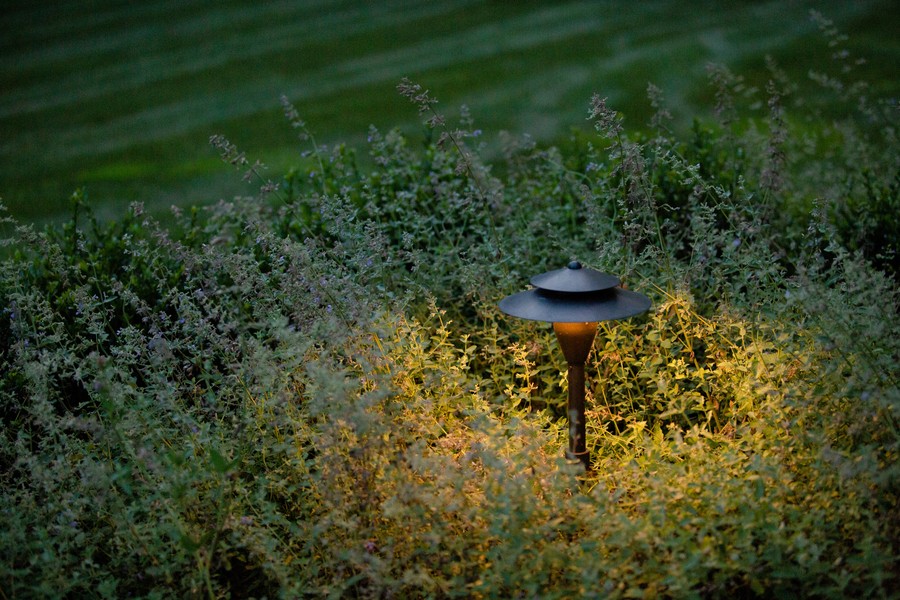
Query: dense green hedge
x: 311, y: 392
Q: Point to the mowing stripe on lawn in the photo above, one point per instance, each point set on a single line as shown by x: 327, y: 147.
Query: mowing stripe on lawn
x: 210, y: 52
x: 90, y: 92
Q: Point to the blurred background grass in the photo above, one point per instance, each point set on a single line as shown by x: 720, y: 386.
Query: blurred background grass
x: 120, y: 98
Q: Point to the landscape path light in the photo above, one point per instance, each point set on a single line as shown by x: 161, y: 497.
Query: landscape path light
x: 575, y: 299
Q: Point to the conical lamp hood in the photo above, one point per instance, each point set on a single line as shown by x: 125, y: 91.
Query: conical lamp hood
x: 575, y: 294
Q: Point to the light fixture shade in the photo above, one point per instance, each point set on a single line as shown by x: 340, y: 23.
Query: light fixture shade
x: 575, y: 294
x: 574, y: 278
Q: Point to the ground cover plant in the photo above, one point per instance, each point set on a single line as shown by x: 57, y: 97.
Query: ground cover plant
x: 310, y: 391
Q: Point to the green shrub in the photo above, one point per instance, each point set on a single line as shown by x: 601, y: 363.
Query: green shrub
x: 312, y: 392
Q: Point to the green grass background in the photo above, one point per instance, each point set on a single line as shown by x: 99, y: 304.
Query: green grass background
x: 121, y: 97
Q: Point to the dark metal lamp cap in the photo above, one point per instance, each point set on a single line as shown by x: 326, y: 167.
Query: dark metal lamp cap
x: 574, y: 278
x: 575, y: 294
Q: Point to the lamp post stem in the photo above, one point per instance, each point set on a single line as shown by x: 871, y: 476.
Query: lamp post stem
x: 576, y: 340
x: 577, y: 447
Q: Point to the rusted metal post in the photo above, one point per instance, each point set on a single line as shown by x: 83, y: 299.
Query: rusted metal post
x: 576, y: 340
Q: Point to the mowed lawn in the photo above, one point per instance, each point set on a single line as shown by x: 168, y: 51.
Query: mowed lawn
x: 121, y: 97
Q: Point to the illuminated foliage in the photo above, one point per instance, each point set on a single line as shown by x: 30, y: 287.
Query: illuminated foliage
x: 312, y: 392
